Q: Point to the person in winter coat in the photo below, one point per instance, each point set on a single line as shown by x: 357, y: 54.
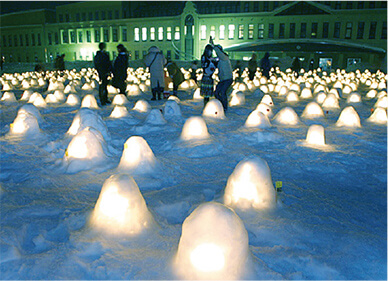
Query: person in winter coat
x: 176, y: 75
x: 225, y: 74
x: 209, y: 65
x: 103, y: 66
x: 155, y: 61
x: 120, y: 66
x: 252, y: 67
x: 265, y: 65
x: 295, y: 67
x: 193, y: 71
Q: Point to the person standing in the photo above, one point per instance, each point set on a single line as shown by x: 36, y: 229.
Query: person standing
x: 103, y: 66
x: 239, y: 71
x: 295, y: 67
x: 225, y: 74
x: 176, y: 75
x: 193, y: 71
x: 120, y: 66
x: 209, y: 65
x: 311, y: 65
x: 252, y: 67
x: 265, y: 65
x: 155, y: 61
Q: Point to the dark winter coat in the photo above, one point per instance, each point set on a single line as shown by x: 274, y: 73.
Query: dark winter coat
x: 120, y: 66
x: 175, y: 73
x: 102, y: 63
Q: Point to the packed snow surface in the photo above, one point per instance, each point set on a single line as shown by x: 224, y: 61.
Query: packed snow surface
x: 328, y: 222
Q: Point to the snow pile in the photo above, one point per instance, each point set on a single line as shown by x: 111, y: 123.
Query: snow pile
x: 316, y: 135
x: 73, y: 100
x: 312, y: 110
x: 348, y: 118
x: 8, y: 97
x: 172, y: 110
x: 265, y: 109
x: 89, y: 101
x: 331, y: 101
x: 119, y: 112
x: 237, y: 98
x: 194, y: 129
x: 26, y: 95
x: 25, y: 123
x: 142, y: 106
x: 287, y: 116
x: 257, y: 119
x: 379, y: 116
x: 155, y: 117
x: 214, y: 109
x: 120, y: 99
x: 213, y: 245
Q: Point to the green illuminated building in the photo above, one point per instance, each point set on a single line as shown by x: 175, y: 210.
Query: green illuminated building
x: 333, y: 33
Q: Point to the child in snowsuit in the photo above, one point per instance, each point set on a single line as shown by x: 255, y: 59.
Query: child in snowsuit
x: 209, y: 65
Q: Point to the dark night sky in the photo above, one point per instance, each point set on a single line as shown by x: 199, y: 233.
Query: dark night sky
x: 17, y: 6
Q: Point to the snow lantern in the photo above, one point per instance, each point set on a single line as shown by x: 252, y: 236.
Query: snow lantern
x: 214, y: 109
x: 8, y: 97
x: 89, y: 101
x: 6, y: 87
x: 320, y: 98
x: 258, y: 120
x: 306, y: 93
x: 381, y: 94
x: 347, y: 90
x: 31, y: 109
x: 133, y: 90
x: 265, y: 109
x: 155, y: 117
x: 319, y: 88
x: 73, y: 100
x: 120, y: 208
x: 349, y: 118
x: 264, y: 89
x: 316, y: 135
x: 86, y: 87
x: 25, y: 85
x: 137, y: 156
x: 184, y: 85
x: 214, y: 244
x: 172, y: 110
x: 287, y: 116
x: 197, y: 94
x: 194, y: 128
x: 295, y: 87
x: 267, y: 99
x: 312, y: 110
x: 60, y: 95
x: 50, y: 98
x: 24, y: 123
x: 112, y: 90
x: 283, y: 90
x: 69, y: 89
x: 382, y: 102
x: 237, y: 98
x: 331, y: 101
x: 379, y: 116
x: 142, y: 106
x: 119, y: 111
x: 250, y: 185
x: 292, y: 96
x: 26, y: 95
x: 354, y: 98
x: 175, y: 98
x: 334, y: 91
x: 38, y: 101
x: 120, y: 99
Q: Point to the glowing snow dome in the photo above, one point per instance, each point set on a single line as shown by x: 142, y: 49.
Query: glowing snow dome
x: 306, y: 93
x: 184, y: 85
x: 69, y: 89
x: 348, y: 118
x: 120, y: 208
x: 142, y: 106
x: 214, y: 109
x: 89, y: 101
x: 155, y: 117
x: 382, y: 102
x: 316, y: 135
x: 55, y: 85
x: 287, y: 116
x: 31, y: 109
x: 264, y: 89
x: 119, y: 112
x: 214, y: 245
x: 8, y: 97
x: 60, y: 95
x: 38, y: 101
x: 283, y: 90
x: 175, y: 98
x: 237, y: 98
x: 26, y: 95
x: 257, y: 119
x: 197, y: 94
x: 250, y: 185
x: 331, y: 101
x: 334, y: 92
x: 320, y: 98
x: 133, y: 90
x: 265, y: 109
x: 112, y: 90
x: 378, y: 116
x: 137, y: 156
x: 292, y: 96
x: 267, y: 99
x: 86, y: 117
x: 194, y: 129
x: 73, y: 100
x: 354, y: 98
x: 312, y: 110
x: 24, y: 124
x: 86, y: 87
x: 85, y: 151
x: 120, y: 99
x: 50, y: 98
x: 381, y: 94
x: 172, y: 110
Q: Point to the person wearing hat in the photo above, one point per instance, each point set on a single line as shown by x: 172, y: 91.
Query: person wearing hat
x: 155, y: 61
x: 104, y: 68
x: 120, y: 66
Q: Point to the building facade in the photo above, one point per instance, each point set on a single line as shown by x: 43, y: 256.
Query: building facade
x: 333, y: 33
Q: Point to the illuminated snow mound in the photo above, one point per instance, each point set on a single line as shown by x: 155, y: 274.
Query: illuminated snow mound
x: 174, y: 98
x: 214, y: 245
x: 85, y: 151
x: 26, y: 95
x: 120, y: 208
x: 312, y: 110
x: 371, y: 94
x: 8, y: 97
x: 250, y: 185
x: 316, y: 135
x: 287, y: 116
x: 194, y: 129
x: 267, y: 99
x: 292, y: 96
x: 89, y: 101
x: 120, y: 99
x: 133, y: 90
x: 348, y: 118
x: 31, y: 109
x: 155, y: 117
x: 382, y: 102
x: 353, y: 98
x: 25, y: 123
x: 38, y: 100
x: 73, y: 100
x: 172, y: 110
x: 51, y: 98
x: 137, y: 156
x: 119, y: 111
x: 112, y: 90
x: 197, y: 94
x: 237, y: 98
x: 69, y: 89
x: 320, y: 98
x: 214, y: 109
x: 60, y: 95
x: 379, y: 116
x: 86, y: 117
x: 306, y: 93
x: 265, y: 109
x: 381, y: 94
x: 331, y: 101
x: 142, y: 106
x: 257, y: 119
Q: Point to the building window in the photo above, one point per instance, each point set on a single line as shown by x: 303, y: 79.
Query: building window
x: 372, y: 30
x: 39, y: 41
x: 144, y: 53
x: 27, y: 40
x: 33, y: 39
x: 15, y: 40
x: 80, y: 36
x: 271, y: 28
x: 314, y: 30
x: 160, y: 33
x: 56, y: 38
x: 21, y: 40
x: 349, y: 5
x: 137, y: 34
x: 337, y: 5
x: 65, y: 37
x: 152, y: 33
x: 260, y: 34
x: 90, y: 15
x: 83, y: 16
x: 97, y: 35
x: 97, y: 15
x: 9, y: 40
x: 88, y: 36
x: 360, y: 30
x: 246, y: 7
x: 325, y: 30
x: 372, y: 4
x: 136, y: 55
x: 110, y: 15
x: 60, y: 18
x: 117, y: 14
x: 72, y: 37
x: 115, y: 35
x: 266, y: 6
x: 124, y: 34
x: 144, y: 33
x: 349, y: 27
x: 231, y: 31
x: 106, y: 35
x: 222, y: 32
x: 360, y: 4
x: 282, y: 26
x: 384, y: 31
x: 203, y: 32
x: 49, y: 39
x: 77, y: 17
x: 250, y: 31
x: 256, y: 6
x: 292, y: 30
x: 303, y: 27
x: 169, y: 35
x: 240, y: 31
x: 177, y: 35
x: 213, y: 31
x: 103, y: 15
x: 169, y: 54
x: 337, y: 29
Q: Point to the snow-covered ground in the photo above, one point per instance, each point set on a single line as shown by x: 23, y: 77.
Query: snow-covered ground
x: 329, y: 221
